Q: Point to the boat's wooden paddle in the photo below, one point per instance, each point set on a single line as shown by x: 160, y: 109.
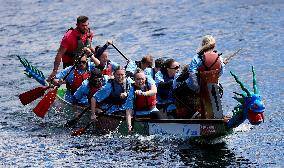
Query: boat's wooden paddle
x: 227, y: 59
x: 74, y: 121
x: 31, y: 95
x: 42, y: 107
x: 134, y: 113
x: 82, y: 130
x: 120, y: 52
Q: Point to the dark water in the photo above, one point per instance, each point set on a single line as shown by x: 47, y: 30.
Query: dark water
x: 33, y: 29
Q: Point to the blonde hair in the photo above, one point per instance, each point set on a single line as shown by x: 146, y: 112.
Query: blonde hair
x: 208, y: 42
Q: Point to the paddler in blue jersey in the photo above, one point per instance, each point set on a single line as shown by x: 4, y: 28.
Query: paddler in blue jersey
x: 146, y: 64
x: 112, y: 97
x: 77, y: 75
x: 164, y: 81
x: 187, y: 84
x: 142, y: 97
x: 106, y: 65
x: 89, y: 87
x: 206, y: 59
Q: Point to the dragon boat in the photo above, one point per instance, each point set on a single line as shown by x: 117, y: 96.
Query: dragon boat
x: 211, y: 124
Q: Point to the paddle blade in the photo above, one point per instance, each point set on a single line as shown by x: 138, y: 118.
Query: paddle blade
x: 79, y: 132
x: 71, y: 123
x: 74, y: 121
x: 82, y: 130
x: 32, y: 95
x: 42, y: 107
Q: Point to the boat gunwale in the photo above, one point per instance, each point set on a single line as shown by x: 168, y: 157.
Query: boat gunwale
x: 150, y: 120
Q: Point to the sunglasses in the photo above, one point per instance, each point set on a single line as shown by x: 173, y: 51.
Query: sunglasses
x: 176, y: 68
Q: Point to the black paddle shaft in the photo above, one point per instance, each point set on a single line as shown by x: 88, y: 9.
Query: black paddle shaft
x: 74, y: 121
x: 120, y: 52
x: 134, y: 111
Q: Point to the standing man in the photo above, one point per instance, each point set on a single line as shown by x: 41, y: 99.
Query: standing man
x: 72, y: 44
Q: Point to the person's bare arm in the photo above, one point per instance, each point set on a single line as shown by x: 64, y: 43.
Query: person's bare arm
x: 152, y: 91
x: 128, y: 120
x: 90, y: 54
x: 57, y: 62
x: 93, y: 109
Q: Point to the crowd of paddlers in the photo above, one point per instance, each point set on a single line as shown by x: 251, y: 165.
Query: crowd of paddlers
x: 144, y: 88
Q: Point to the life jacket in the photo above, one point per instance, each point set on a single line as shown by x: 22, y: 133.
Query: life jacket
x: 92, y: 91
x: 165, y: 93
x: 144, y: 103
x: 210, y: 61
x: 117, y: 89
x: 108, y: 70
x: 80, y: 45
x: 77, y: 82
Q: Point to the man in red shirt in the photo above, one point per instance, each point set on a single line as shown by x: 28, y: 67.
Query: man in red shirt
x: 72, y: 44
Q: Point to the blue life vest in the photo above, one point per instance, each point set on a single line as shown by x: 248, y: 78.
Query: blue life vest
x: 165, y: 93
x: 117, y: 89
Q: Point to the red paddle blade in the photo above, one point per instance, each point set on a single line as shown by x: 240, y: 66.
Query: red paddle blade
x: 79, y: 132
x: 32, y: 95
x: 42, y: 107
x: 82, y: 130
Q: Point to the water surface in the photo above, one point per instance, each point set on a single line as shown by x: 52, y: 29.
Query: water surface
x: 33, y: 29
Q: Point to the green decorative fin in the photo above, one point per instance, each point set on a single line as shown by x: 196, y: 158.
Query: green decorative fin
x: 240, y: 94
x: 255, y: 90
x: 241, y: 84
x: 241, y: 100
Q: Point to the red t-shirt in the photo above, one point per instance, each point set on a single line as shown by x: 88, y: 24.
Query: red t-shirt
x: 69, y: 42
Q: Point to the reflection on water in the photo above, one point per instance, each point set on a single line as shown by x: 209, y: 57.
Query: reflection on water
x: 209, y: 155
